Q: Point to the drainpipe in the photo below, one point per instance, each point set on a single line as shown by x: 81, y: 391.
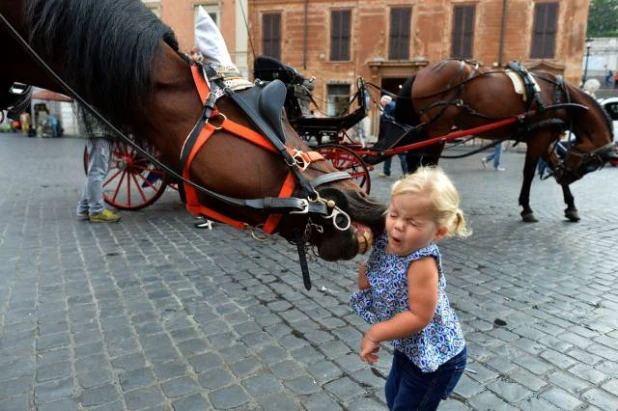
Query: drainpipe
x: 305, y: 35
x: 502, y: 29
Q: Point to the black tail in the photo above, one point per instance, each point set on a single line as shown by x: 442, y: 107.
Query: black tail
x: 404, y: 109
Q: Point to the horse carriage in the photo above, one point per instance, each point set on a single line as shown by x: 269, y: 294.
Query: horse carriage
x: 451, y: 100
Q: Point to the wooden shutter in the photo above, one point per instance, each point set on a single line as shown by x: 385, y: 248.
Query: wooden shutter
x: 462, y: 39
x: 340, y: 35
x: 399, y: 44
x: 271, y: 40
x: 544, y: 30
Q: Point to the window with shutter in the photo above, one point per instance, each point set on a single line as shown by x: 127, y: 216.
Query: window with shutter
x: 544, y: 30
x: 462, y: 38
x: 399, y: 44
x: 271, y: 35
x: 340, y: 28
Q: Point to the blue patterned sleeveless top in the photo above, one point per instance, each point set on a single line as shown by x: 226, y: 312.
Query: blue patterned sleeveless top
x: 442, y: 339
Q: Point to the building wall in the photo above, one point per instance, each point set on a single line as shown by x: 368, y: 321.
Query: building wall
x: 180, y: 15
x: 430, y: 36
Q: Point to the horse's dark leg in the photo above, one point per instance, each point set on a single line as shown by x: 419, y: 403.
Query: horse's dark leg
x: 524, y: 196
x: 570, y: 212
x: 414, y: 159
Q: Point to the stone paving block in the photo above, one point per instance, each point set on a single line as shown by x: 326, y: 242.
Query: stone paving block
x: 229, y: 397
x: 9, y: 388
x: 344, y: 389
x: 509, y: 390
x: 180, y: 387
x: 144, y: 397
x: 129, y: 362
x: 527, y: 379
x: 536, y: 404
x: 54, y: 371
x: 272, y: 354
x: 324, y: 371
x: 557, y: 359
x: 568, y: 382
x: 215, y: 378
x: 320, y: 402
x: 286, y: 370
x: 467, y: 388
x: 21, y: 367
x: 534, y: 365
x: 136, y: 378
x: 489, y: 401
x: 245, y: 367
x: 53, y: 390
x: 261, y: 384
x: 561, y: 399
x: 170, y: 369
x: 303, y: 385
x: 192, y: 403
x: 99, y: 395
x: 206, y: 361
x: 93, y: 371
x: 601, y: 398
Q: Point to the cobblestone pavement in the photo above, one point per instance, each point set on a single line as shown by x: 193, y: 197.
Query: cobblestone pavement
x: 151, y: 313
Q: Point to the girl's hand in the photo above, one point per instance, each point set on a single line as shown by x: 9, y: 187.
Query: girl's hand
x: 363, y: 283
x: 369, y: 349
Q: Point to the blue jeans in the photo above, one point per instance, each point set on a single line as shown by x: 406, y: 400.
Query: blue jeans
x: 404, y: 164
x: 99, y: 156
x: 496, y: 155
x: 408, y: 388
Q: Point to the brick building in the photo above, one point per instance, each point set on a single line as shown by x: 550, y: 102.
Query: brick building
x: 386, y: 41
x: 228, y: 14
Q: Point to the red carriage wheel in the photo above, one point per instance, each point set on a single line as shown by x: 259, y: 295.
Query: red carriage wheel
x: 133, y: 181
x: 345, y: 159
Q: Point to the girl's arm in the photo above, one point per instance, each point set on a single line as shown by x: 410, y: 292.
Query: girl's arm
x: 423, y: 299
x: 363, y: 283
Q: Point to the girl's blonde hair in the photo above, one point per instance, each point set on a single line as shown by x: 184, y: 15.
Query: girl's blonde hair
x: 434, y: 184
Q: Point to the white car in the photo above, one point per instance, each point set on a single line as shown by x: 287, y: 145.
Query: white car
x: 610, y: 105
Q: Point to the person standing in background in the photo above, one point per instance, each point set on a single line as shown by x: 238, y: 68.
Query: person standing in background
x: 91, y: 206
x: 496, y: 156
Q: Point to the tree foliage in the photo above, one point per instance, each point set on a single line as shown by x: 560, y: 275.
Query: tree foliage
x: 603, y: 18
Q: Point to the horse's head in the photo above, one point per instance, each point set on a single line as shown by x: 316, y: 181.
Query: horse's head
x: 594, y: 144
x: 339, y: 220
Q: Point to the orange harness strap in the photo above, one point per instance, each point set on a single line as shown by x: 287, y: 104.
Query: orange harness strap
x: 192, y: 202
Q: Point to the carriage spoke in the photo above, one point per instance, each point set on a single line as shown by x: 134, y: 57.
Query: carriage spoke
x: 118, y: 187
x: 139, y: 188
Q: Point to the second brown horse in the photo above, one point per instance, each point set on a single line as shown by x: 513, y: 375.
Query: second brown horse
x: 454, y: 93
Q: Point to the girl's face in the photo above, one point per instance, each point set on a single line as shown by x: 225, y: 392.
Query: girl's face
x: 409, y: 224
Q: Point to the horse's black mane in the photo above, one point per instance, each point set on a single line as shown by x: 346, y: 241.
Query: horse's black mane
x: 106, y: 47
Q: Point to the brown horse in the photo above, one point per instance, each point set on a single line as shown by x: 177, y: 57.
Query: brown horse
x: 460, y: 94
x: 125, y: 62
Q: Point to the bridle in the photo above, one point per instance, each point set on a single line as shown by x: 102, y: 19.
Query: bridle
x: 588, y: 161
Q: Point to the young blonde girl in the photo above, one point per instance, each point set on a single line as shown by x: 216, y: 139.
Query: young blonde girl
x: 402, y: 293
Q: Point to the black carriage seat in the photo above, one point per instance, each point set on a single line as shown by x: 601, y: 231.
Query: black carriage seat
x: 268, y: 68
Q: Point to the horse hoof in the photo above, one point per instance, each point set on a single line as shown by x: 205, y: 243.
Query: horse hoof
x: 529, y: 218
x: 572, y: 215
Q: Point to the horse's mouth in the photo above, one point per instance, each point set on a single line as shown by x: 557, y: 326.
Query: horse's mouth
x: 347, y: 245
x: 364, y: 237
